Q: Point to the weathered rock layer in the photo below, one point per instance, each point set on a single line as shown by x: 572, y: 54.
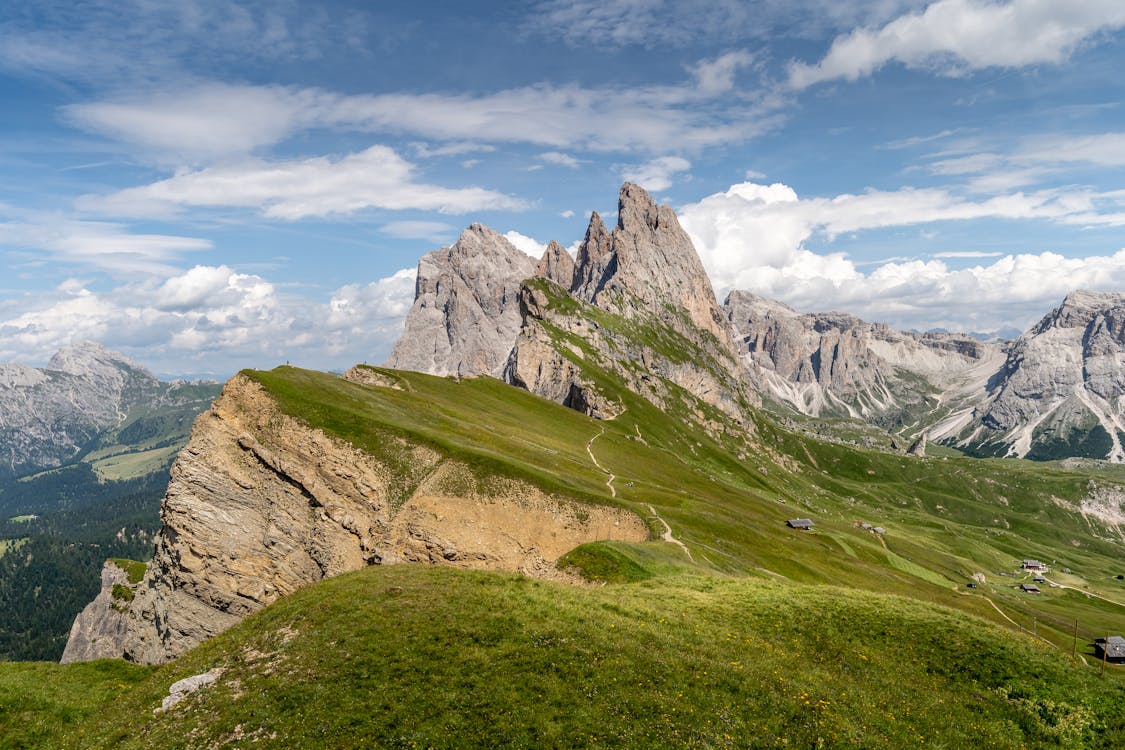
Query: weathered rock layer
x: 259, y: 504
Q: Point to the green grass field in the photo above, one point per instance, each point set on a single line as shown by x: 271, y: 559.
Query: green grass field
x: 427, y: 657
x: 765, y: 636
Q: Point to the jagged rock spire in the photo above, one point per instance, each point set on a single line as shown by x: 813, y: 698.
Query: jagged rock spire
x: 557, y: 265
x: 594, y: 253
x: 650, y: 258
x: 466, y: 307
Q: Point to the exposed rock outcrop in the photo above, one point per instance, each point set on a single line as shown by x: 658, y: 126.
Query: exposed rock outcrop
x: 1061, y: 391
x: 831, y: 364
x: 466, y: 307
x: 100, y: 629
x: 259, y: 504
x: 557, y: 265
x: 918, y: 447
x: 648, y: 259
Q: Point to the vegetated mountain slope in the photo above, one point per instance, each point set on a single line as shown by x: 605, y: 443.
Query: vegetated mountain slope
x: 724, y: 495
x: 292, y: 477
x: 726, y: 646
x: 1054, y: 393
x: 411, y: 656
x: 96, y: 404
x: 1061, y: 391
x: 85, y: 445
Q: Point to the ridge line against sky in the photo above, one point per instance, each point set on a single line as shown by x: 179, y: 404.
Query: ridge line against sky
x: 212, y: 185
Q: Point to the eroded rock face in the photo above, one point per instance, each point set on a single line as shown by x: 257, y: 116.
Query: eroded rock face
x: 649, y: 259
x: 100, y: 629
x: 48, y: 415
x: 466, y: 307
x: 1062, y: 379
x: 836, y: 364
x: 557, y: 265
x: 260, y: 505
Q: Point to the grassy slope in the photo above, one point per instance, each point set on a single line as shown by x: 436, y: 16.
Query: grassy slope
x: 38, y: 701
x: 947, y: 518
x: 429, y: 657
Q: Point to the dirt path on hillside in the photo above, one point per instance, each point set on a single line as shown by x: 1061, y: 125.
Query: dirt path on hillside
x: 667, y: 535
x: 612, y: 476
x: 1084, y: 591
x: 1009, y: 619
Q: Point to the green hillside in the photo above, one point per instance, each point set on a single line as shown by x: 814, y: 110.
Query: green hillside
x: 427, y: 657
x: 727, y: 629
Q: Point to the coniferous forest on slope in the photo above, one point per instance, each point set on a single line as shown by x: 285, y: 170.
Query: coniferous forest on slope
x: 56, y: 530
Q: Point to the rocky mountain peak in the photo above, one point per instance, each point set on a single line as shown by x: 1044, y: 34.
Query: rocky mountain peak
x: 466, y: 306
x: 648, y: 258
x: 88, y: 358
x: 594, y: 255
x: 1079, y: 309
x: 557, y: 265
x: 637, y: 211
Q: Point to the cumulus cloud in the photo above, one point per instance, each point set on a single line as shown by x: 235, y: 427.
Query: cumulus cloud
x: 717, y: 76
x: 212, y: 318
x: 952, y: 36
x: 657, y: 174
x: 375, y: 178
x: 753, y: 237
x: 529, y: 245
x: 561, y: 159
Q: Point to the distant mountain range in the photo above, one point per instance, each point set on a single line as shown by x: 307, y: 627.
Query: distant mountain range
x: 92, y: 404
x: 1056, y: 391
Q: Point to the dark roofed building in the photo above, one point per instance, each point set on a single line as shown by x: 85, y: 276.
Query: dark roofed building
x: 1034, y: 565
x: 800, y: 523
x: 1115, y: 651
x: 1029, y: 588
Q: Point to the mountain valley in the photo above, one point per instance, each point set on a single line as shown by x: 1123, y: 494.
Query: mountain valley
x: 572, y: 512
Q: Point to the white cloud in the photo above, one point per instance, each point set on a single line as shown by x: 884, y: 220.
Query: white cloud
x: 214, y: 319
x: 680, y: 23
x: 567, y: 214
x: 125, y: 43
x: 529, y: 245
x: 208, y: 121
x: 717, y: 76
x: 432, y: 231
x: 657, y: 174
x: 753, y: 237
x: 560, y: 159
x: 426, y: 151
x: 375, y: 178
x: 956, y: 35
x: 1102, y: 149
x: 98, y: 245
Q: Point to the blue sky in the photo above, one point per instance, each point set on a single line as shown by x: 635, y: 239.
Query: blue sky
x: 209, y: 185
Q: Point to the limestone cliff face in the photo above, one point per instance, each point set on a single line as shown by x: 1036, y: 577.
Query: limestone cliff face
x: 836, y: 364
x: 100, y: 629
x: 1061, y: 391
x: 466, y: 307
x: 557, y: 265
x: 648, y: 259
x: 259, y: 504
